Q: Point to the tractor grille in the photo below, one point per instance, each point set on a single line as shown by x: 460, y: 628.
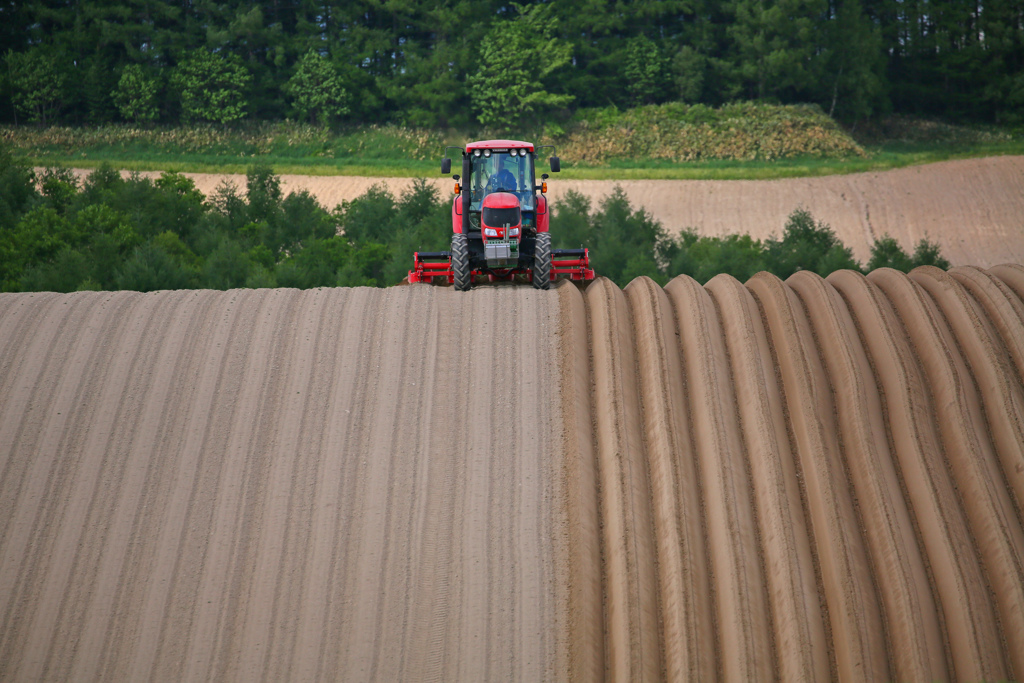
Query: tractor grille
x: 501, y: 218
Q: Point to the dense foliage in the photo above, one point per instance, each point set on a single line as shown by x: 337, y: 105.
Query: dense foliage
x: 462, y: 62
x: 108, y: 232
x: 678, y: 132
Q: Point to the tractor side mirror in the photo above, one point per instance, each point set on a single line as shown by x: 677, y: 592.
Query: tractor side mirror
x: 556, y: 164
x: 446, y: 166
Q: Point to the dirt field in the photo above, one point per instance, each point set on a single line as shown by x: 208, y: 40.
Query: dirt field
x: 274, y: 484
x: 974, y: 209
x: 811, y: 479
x: 805, y: 480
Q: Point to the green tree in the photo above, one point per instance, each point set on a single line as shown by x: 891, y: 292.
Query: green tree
x: 807, y: 245
x: 39, y: 235
x: 927, y: 253
x: 228, y: 267
x: 516, y: 58
x: 68, y: 271
x: 623, y: 243
x: 887, y: 253
x: 17, y: 189
x: 212, y: 87
x: 702, y: 258
x: 775, y: 44
x: 316, y: 90
x: 39, y: 82
x: 854, y: 64
x: 688, y: 69
x: 149, y: 269
x: 646, y: 71
x: 136, y: 95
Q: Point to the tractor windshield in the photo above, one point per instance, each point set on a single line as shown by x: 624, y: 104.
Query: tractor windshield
x: 503, y: 172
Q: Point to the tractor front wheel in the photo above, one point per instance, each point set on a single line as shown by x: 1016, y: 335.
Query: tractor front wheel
x: 542, y: 261
x: 460, y: 263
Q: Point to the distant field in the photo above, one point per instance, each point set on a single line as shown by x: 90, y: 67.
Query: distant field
x: 971, y: 208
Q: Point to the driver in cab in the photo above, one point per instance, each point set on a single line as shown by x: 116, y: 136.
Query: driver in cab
x: 503, y: 179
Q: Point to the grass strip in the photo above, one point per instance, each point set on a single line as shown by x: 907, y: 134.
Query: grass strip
x: 878, y: 160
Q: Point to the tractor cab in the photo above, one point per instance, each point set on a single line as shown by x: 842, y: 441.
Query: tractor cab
x: 500, y: 222
x: 510, y: 172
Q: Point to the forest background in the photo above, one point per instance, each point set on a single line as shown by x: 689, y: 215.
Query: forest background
x: 466, y: 63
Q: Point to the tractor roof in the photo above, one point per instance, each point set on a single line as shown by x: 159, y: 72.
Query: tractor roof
x: 500, y: 144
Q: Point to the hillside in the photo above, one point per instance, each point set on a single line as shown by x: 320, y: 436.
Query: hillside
x: 805, y: 479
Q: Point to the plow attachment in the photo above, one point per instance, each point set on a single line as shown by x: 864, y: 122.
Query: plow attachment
x: 436, y: 267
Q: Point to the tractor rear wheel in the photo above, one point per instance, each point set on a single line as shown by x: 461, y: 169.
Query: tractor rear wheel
x: 542, y: 261
x: 460, y: 263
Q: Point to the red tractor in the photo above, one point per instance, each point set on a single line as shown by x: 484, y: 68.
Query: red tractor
x: 500, y: 222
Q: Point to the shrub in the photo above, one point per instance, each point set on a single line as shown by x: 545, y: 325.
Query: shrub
x: 678, y: 132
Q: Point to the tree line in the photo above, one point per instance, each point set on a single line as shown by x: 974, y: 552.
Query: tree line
x: 108, y: 232
x: 466, y: 63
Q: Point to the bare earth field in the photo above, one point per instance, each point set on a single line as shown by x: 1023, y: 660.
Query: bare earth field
x: 269, y: 485
x: 807, y: 480
x: 973, y: 208
x: 811, y: 479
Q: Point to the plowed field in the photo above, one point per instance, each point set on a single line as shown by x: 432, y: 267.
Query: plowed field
x: 274, y: 484
x: 807, y: 480
x: 803, y: 479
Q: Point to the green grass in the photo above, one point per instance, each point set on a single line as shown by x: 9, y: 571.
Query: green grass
x: 879, y: 160
x: 390, y: 151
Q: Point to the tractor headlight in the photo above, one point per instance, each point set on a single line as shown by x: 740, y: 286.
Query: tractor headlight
x: 487, y: 153
x: 490, y: 232
x: 476, y: 152
x: 514, y: 232
x: 522, y: 152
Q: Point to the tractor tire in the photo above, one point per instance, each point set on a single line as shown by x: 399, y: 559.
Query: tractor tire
x: 542, y: 261
x: 460, y: 263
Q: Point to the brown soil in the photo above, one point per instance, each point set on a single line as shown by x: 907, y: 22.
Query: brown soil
x: 810, y: 479
x: 974, y: 208
x: 273, y: 484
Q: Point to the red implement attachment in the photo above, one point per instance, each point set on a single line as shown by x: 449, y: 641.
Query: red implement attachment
x: 431, y: 266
